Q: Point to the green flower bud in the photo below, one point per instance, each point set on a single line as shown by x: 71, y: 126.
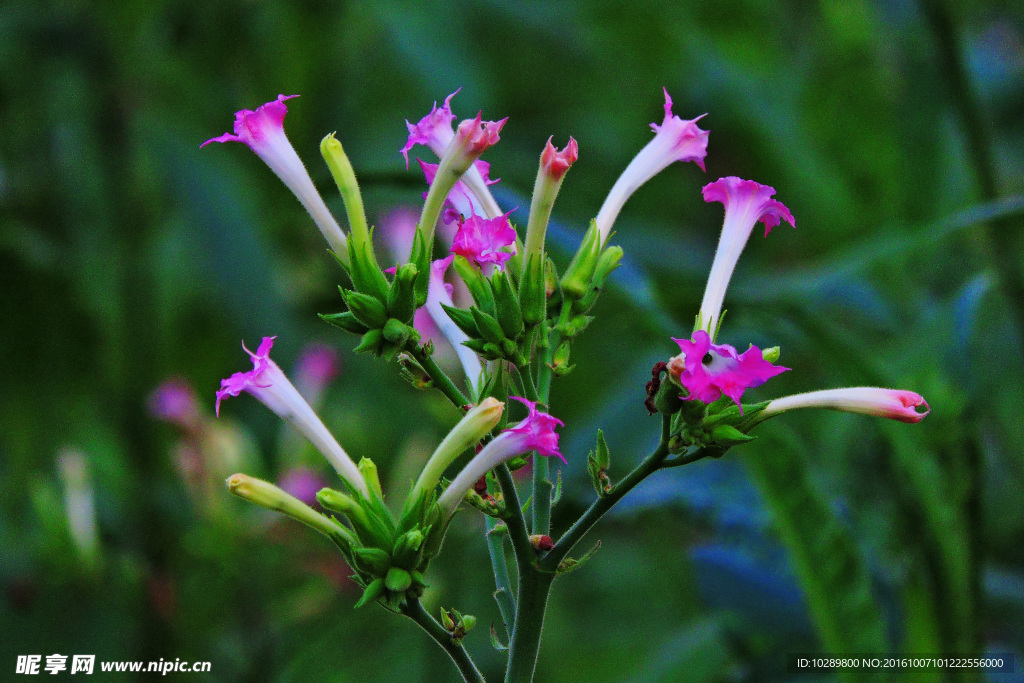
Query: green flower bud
x: 398, y: 580
x: 728, y: 436
x: 369, y: 471
x: 506, y: 305
x: 267, y: 495
x: 396, y: 332
x: 372, y: 560
x: 367, y: 309
x: 578, y: 275
x: 532, y: 296
x: 771, y: 354
x: 468, y: 622
x: 401, y: 302
x: 489, y: 328
x: 372, y: 342
x: 371, y: 593
x: 476, y: 283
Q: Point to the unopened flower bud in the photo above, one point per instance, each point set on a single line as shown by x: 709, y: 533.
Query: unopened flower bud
x: 541, y: 542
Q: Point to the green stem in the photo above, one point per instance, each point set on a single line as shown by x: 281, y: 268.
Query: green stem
x: 414, y: 610
x: 534, y: 588
x: 441, y: 379
x: 503, y: 595
x: 604, y: 503
x: 525, y: 555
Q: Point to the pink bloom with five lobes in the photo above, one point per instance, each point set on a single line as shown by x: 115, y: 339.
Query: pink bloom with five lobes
x: 708, y: 370
x: 896, y: 404
x: 555, y: 163
x: 674, y: 140
x: 271, y: 387
x: 434, y: 130
x: 477, y: 135
x: 746, y: 202
x: 263, y: 131
x: 537, y: 431
x: 484, y: 240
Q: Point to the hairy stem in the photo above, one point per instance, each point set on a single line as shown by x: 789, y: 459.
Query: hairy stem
x: 503, y: 595
x: 414, y: 610
x: 441, y: 379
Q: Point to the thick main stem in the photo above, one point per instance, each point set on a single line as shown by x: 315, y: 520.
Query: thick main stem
x: 534, y: 588
x: 414, y: 610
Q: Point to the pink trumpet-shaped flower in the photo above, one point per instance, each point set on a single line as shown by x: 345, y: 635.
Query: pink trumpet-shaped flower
x: 555, y: 163
x: 484, y: 240
x: 708, y: 370
x: 535, y: 433
x: 746, y: 203
x: 477, y: 135
x: 271, y: 387
x: 436, y: 132
x: 263, y: 131
x: 896, y: 404
x: 438, y: 293
x: 674, y: 140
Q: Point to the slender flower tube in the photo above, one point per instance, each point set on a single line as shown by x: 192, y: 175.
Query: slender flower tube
x: 473, y: 138
x: 475, y: 425
x: 485, y: 240
x: 746, y: 203
x: 674, y: 140
x: 553, y: 166
x: 709, y: 370
x: 438, y: 294
x: 435, y: 131
x: 535, y: 433
x: 461, y: 202
x: 263, y: 131
x: 269, y: 385
x: 895, y: 404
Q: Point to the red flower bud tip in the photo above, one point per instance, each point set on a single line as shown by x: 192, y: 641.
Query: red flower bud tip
x: 556, y: 163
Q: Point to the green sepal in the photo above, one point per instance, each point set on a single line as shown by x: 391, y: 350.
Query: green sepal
x: 367, y: 309
x: 372, y: 560
x: 368, y: 469
x: 396, y: 332
x: 406, y: 549
x: 560, y: 360
x: 577, y: 277
x: 371, y: 593
x: 506, y: 305
x: 422, y: 257
x: 575, y: 325
x: 552, y: 291
x: 401, y: 302
x: 365, y: 273
x: 372, y: 342
x: 727, y: 436
x: 490, y: 329
x: 476, y: 283
x: 598, y: 462
x: 463, y: 319
x: 346, y: 321
x: 608, y: 261
x: 532, y: 294
x: 398, y: 580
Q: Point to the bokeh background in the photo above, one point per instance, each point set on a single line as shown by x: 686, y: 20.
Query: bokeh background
x: 894, y: 131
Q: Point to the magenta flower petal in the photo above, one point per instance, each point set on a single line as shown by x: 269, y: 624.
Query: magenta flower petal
x: 434, y: 130
x: 484, y: 240
x: 478, y: 135
x: 675, y: 140
x: 555, y: 163
x: 708, y: 370
x: 254, y: 127
x: 746, y: 202
x: 538, y: 431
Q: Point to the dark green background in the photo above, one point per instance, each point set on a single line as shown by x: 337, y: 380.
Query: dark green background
x: 127, y: 256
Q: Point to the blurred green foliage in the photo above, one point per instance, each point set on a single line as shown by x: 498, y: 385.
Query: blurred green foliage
x: 128, y: 256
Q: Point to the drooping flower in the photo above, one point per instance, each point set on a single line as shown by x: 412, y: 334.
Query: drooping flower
x: 175, y: 401
x: 263, y: 131
x: 535, y: 433
x: 708, y: 370
x: 485, y: 240
x: 439, y: 292
x: 461, y: 202
x: 896, y: 404
x: 271, y: 387
x: 675, y: 139
x: 746, y: 202
x: 435, y: 130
